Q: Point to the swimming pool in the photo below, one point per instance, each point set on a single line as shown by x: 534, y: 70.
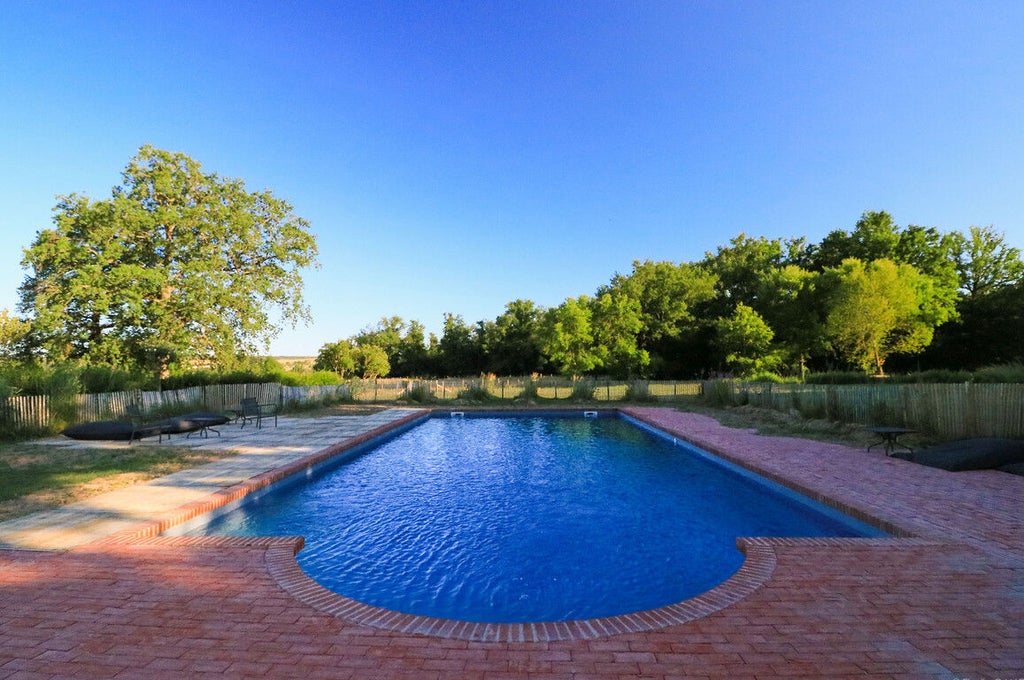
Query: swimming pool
x: 525, y: 519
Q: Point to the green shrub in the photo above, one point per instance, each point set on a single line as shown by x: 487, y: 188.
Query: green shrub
x: 529, y: 392
x: 769, y: 377
x: 718, y: 393
x: 420, y: 394
x: 36, y: 379
x: 639, y: 391
x: 307, y: 378
x: 839, y: 378
x: 582, y: 390
x: 1001, y: 373
x: 98, y: 379
x: 933, y: 376
x: 476, y: 393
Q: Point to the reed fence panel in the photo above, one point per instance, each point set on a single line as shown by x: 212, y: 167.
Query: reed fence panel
x: 947, y: 411
x: 25, y: 413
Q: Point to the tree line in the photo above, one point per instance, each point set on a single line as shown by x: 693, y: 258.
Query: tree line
x: 181, y: 269
x: 874, y: 297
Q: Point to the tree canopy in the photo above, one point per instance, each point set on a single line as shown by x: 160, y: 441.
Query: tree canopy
x: 880, y: 308
x: 178, y: 264
x: 874, y: 296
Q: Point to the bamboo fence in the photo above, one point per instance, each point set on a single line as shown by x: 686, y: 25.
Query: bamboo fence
x: 947, y: 411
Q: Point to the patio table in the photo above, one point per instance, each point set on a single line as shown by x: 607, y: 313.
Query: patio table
x: 890, y: 438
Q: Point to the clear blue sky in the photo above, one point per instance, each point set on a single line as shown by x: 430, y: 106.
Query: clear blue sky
x: 454, y: 156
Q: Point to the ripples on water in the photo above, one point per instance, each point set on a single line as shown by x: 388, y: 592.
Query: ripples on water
x: 524, y: 519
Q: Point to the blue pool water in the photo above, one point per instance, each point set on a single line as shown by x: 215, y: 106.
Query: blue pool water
x: 515, y: 519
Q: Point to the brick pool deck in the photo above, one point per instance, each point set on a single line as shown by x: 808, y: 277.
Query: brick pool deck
x: 944, y: 599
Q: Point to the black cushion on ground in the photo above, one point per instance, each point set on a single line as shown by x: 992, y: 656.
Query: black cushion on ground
x: 109, y: 430
x: 1014, y: 469
x: 970, y: 454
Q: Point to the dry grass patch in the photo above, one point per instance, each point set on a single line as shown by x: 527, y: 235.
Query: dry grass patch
x: 778, y: 424
x: 37, y: 477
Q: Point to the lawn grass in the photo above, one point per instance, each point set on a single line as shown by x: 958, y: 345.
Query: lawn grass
x: 40, y: 476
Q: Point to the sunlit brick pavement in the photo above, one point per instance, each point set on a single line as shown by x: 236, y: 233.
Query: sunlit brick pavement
x: 948, y: 604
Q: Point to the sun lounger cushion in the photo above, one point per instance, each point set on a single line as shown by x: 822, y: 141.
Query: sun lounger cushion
x: 109, y: 430
x: 970, y: 454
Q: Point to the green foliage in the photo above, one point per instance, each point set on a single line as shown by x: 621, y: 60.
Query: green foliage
x: 881, y: 308
x: 177, y: 264
x: 98, y: 379
x: 933, y: 376
x: 257, y: 372
x: 37, y: 379
x: 420, y: 394
x: 476, y: 394
x: 338, y: 357
x: 667, y: 293
x: 511, y: 341
x: 1003, y: 373
x: 746, y: 342
x: 308, y: 378
x: 13, y: 336
x: 742, y: 269
x: 567, y: 337
x: 874, y: 237
x: 371, y: 361
x: 461, y: 348
x: 756, y: 305
x: 616, y: 323
x: 840, y: 378
x: 582, y: 390
x: 984, y: 261
x: 413, y: 357
x: 530, y: 391
x: 718, y: 393
x: 639, y: 391
x: 769, y: 377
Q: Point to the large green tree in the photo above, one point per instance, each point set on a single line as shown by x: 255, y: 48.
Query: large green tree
x: 745, y: 341
x: 616, y: 324
x: 741, y: 269
x: 511, y: 340
x: 567, y: 337
x: 667, y: 294
x: 881, y: 308
x: 792, y: 304
x: 339, y: 357
x: 985, y: 262
x: 460, y: 348
x: 413, y: 356
x: 177, y: 264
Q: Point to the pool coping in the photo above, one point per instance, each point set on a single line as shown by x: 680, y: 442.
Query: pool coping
x: 756, y: 570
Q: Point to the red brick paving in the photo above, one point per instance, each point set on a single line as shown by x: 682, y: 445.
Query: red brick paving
x: 947, y: 605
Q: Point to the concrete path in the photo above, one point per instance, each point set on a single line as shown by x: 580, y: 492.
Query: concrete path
x: 258, y: 450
